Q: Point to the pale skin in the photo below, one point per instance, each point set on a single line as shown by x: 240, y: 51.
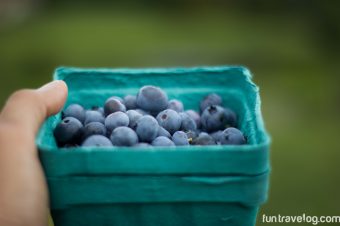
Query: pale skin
x: 23, y: 188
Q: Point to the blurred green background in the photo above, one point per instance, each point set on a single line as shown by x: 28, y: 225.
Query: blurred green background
x: 292, y: 48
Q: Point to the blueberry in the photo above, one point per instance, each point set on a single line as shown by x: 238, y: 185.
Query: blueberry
x: 93, y: 116
x: 97, y: 141
x: 70, y: 146
x: 124, y: 136
x: 112, y: 105
x: 232, y: 118
x: 163, y: 132
x: 153, y: 113
x: 175, y: 105
x: 75, y: 111
x: 115, y: 120
x: 195, y: 116
x: 204, y: 139
x: 142, y: 145
x: 162, y: 141
x: 216, y: 136
x: 99, y: 109
x: 233, y: 136
x: 147, y: 128
x: 93, y: 128
x: 133, y: 118
x: 69, y: 130
x: 209, y: 100
x: 151, y: 98
x: 187, y: 122
x: 130, y: 102
x: 180, y: 138
x: 216, y: 118
x: 191, y: 135
x: 117, y: 98
x: 142, y: 112
x: 169, y: 120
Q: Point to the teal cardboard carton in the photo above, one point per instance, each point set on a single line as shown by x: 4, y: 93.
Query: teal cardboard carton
x: 189, y: 185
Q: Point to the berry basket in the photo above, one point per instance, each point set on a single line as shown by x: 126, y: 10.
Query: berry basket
x: 188, y: 185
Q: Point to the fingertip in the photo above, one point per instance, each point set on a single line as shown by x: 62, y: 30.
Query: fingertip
x: 63, y: 84
x: 63, y: 89
x: 54, y: 95
x: 57, y: 84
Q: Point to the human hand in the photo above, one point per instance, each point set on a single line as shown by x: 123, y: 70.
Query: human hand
x: 23, y: 188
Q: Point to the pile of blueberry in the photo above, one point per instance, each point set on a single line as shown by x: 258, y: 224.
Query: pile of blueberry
x: 148, y: 119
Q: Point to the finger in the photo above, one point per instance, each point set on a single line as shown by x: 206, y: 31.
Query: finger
x: 23, y: 190
x: 54, y: 96
x: 27, y: 109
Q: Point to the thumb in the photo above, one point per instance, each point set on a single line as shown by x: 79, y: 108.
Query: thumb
x: 27, y: 109
x: 23, y: 190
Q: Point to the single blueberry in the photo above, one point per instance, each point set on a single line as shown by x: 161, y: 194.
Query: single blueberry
x: 233, y: 136
x: 117, y: 98
x: 180, y: 138
x: 191, y: 135
x: 187, y: 122
x: 216, y: 136
x: 163, y: 132
x: 130, y: 102
x: 99, y: 109
x: 142, y: 145
x: 151, y: 98
x: 134, y: 116
x: 162, y: 141
x: 93, y: 128
x: 113, y: 105
x: 124, y: 136
x: 175, y: 105
x: 69, y: 130
x: 70, y: 146
x: 169, y: 120
x: 232, y: 118
x: 97, y: 141
x: 142, y: 112
x: 115, y: 120
x: 153, y: 113
x: 209, y: 100
x: 216, y: 118
x: 147, y: 128
x: 204, y: 139
x: 195, y: 116
x: 75, y: 111
x: 93, y: 116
